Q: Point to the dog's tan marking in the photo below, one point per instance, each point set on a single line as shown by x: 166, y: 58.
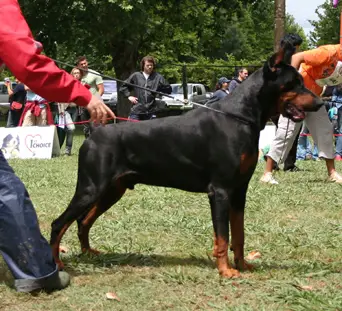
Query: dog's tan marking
x: 302, y: 101
x: 223, y: 265
x: 247, y: 161
x: 215, y: 246
x: 236, y: 219
x: 55, y: 246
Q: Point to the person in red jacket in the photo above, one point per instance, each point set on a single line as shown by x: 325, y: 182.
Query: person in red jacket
x: 24, y: 249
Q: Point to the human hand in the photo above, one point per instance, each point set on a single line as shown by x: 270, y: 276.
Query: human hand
x: 133, y: 100
x: 98, y: 111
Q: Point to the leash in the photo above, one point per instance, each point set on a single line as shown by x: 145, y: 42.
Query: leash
x: 108, y: 119
x: 185, y: 102
x: 283, y: 148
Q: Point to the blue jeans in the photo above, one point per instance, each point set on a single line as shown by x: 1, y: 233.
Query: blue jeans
x: 304, y: 146
x: 339, y: 131
x: 69, y: 134
x: 13, y: 117
x: 26, y: 252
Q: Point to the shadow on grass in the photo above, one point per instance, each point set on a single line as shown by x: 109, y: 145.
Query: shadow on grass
x: 87, y: 264
x: 132, y: 259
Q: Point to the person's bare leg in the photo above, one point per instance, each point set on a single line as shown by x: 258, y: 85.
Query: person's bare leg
x: 333, y: 175
x: 330, y: 166
x: 267, y: 177
x: 269, y: 165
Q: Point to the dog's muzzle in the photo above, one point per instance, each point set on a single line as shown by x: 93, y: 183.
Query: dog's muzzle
x: 292, y: 112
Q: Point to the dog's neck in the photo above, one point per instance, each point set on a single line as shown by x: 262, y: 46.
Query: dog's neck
x: 253, y: 100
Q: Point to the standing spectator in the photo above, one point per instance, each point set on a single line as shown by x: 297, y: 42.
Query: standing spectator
x: 336, y: 108
x: 304, y: 149
x: 36, y: 112
x: 95, y: 83
x: 66, y: 115
x: 318, y: 67
x: 26, y: 252
x: 17, y: 99
x: 243, y: 75
x: 143, y: 101
x: 221, y: 91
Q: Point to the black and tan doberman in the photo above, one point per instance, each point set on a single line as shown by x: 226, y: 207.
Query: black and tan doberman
x: 211, y: 151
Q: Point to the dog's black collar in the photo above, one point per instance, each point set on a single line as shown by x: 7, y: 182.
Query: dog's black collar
x: 243, y: 120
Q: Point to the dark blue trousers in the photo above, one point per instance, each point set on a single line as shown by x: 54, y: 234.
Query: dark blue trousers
x: 24, y: 249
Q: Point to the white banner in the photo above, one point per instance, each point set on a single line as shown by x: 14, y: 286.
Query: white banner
x: 29, y: 142
x: 266, y: 136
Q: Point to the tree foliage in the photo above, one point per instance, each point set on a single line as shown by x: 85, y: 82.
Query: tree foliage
x: 327, y: 26
x: 116, y: 34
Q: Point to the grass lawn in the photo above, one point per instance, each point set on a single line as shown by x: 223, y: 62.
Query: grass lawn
x: 157, y: 245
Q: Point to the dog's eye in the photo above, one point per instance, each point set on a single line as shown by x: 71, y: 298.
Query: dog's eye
x: 287, y: 87
x: 292, y: 84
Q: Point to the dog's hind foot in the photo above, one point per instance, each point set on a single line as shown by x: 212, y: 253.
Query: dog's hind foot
x: 90, y: 251
x: 243, y: 265
x: 230, y: 273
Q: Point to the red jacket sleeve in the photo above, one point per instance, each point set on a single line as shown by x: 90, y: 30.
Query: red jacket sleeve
x: 20, y: 54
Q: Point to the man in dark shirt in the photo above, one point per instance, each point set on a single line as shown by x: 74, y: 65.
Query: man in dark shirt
x: 243, y: 75
x: 144, y: 102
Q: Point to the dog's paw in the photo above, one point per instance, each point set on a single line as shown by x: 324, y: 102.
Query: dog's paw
x: 230, y: 273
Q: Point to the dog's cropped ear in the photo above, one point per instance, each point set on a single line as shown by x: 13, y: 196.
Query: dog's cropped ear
x: 284, y: 55
x: 270, y: 66
x: 276, y: 59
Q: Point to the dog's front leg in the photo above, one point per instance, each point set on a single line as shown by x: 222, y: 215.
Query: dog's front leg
x: 219, y: 204
x: 236, y: 218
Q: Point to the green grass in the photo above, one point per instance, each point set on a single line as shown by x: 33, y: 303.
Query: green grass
x: 156, y: 245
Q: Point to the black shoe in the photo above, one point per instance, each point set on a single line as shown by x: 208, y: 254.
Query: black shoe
x: 58, y: 281
x: 293, y: 169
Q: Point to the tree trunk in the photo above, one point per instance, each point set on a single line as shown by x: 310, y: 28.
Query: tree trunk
x: 125, y: 60
x: 279, y: 22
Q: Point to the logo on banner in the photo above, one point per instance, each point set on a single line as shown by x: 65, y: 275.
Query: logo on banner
x: 35, y: 142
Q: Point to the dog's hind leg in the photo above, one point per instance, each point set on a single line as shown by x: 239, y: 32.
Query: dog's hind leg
x: 236, y: 218
x: 87, y: 194
x: 112, y: 194
x: 220, y: 203
x: 82, y: 202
